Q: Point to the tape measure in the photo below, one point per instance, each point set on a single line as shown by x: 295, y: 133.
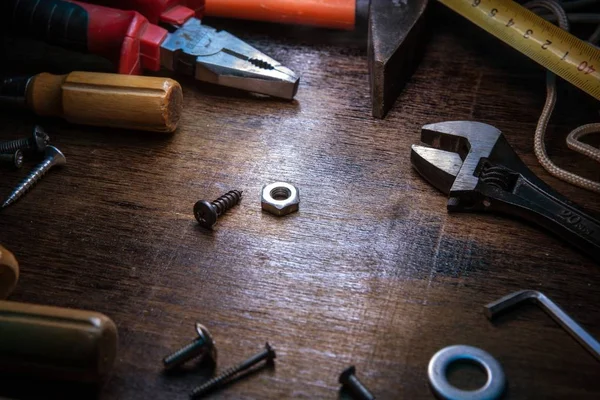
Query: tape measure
x: 572, y: 59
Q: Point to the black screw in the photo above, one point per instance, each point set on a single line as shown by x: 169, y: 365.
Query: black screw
x: 13, y: 160
x: 203, y: 345
x: 267, y: 354
x: 34, y: 144
x: 207, y: 213
x: 348, y: 378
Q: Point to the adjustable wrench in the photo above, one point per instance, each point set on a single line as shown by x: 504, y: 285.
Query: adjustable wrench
x: 473, y: 163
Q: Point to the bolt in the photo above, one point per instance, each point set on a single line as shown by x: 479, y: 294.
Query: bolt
x: 53, y: 157
x: 207, y: 213
x: 12, y: 160
x: 35, y: 144
x: 200, y: 347
x: 267, y: 354
x: 348, y: 378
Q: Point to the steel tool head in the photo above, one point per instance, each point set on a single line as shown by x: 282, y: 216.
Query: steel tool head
x: 396, y: 42
x: 219, y: 57
x: 457, y: 148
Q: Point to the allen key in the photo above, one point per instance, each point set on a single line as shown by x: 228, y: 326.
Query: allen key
x: 563, y: 319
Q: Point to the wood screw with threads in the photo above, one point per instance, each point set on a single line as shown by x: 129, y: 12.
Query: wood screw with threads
x: 206, y: 213
x: 53, y: 157
x: 267, y: 354
x: 35, y: 144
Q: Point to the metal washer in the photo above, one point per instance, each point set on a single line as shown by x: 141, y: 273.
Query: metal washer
x: 438, y: 366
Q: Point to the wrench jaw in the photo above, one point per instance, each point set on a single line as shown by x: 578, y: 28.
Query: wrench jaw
x: 438, y: 167
x: 488, y: 175
x: 453, y: 162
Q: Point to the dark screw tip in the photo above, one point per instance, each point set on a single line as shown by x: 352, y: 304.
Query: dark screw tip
x: 268, y: 354
x: 205, y: 213
x: 346, y: 374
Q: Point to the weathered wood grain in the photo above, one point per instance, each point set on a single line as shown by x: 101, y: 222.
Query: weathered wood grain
x: 371, y: 271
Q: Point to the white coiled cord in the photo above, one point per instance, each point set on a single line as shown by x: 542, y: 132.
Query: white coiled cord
x: 573, y: 137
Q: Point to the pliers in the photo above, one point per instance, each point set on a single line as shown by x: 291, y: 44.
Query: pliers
x: 131, y: 38
x: 475, y: 165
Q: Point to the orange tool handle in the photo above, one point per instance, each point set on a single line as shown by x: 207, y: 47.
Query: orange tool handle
x: 339, y: 14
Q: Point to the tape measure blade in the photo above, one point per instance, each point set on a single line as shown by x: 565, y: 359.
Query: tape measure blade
x: 572, y: 59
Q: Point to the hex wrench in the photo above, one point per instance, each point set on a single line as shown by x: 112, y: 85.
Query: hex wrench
x: 574, y: 329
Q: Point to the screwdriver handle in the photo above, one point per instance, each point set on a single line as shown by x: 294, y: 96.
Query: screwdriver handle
x: 124, y: 37
x: 56, y: 343
x: 9, y: 272
x: 119, y: 101
x: 55, y: 22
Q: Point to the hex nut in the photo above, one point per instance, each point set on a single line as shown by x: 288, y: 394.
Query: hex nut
x: 280, y: 198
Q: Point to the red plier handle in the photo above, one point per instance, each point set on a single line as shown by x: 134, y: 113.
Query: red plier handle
x: 165, y: 11
x: 125, y: 37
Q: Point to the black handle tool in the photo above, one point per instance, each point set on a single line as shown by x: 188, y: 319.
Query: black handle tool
x: 473, y: 163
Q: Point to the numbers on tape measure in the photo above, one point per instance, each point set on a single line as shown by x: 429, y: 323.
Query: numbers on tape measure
x: 518, y: 21
x: 546, y: 45
x: 585, y: 68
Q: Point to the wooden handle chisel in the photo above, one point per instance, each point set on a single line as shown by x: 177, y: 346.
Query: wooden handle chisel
x: 90, y: 98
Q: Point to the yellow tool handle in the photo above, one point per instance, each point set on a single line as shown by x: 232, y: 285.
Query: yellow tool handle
x: 9, y: 272
x: 119, y: 101
x: 56, y: 343
x: 557, y: 50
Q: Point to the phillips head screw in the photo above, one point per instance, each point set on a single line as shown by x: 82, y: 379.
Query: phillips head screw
x: 267, y: 354
x: 37, y: 143
x: 349, y: 379
x: 53, y: 157
x: 203, y: 346
x: 12, y: 160
x: 206, y: 213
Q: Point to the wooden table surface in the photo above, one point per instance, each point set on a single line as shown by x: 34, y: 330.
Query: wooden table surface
x: 372, y: 271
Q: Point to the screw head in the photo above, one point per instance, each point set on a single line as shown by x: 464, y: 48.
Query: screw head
x: 205, y: 213
x: 346, y: 374
x: 208, y: 339
x: 56, y: 155
x: 18, y: 159
x: 271, y: 356
x: 40, y: 138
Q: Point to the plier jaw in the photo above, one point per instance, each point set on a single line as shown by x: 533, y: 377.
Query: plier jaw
x: 221, y: 58
x: 134, y: 43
